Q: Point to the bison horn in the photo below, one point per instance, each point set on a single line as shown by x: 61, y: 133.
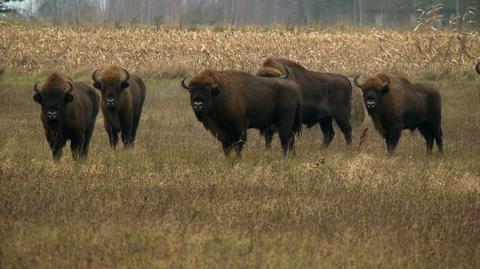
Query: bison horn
x: 183, y: 83
x: 355, y: 81
x: 94, y: 75
x: 127, y: 74
x: 286, y: 75
x: 478, y: 68
x: 35, y: 87
x: 70, y: 83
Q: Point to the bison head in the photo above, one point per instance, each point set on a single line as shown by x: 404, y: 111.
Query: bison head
x: 373, y: 90
x: 477, y: 68
x: 112, y: 83
x: 272, y: 73
x: 202, y: 92
x: 53, y: 102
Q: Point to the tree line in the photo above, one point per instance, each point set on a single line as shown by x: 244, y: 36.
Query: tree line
x: 247, y: 12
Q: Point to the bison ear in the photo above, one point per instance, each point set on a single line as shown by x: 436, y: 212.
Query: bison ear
x: 125, y: 85
x: 68, y: 98
x: 385, y: 89
x: 97, y: 85
x: 37, y: 98
x: 215, y: 90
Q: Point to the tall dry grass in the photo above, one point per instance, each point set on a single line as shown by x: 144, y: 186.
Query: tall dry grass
x: 176, y: 202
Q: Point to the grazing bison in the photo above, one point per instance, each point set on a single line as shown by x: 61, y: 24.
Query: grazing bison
x: 230, y: 102
x: 477, y: 68
x: 394, y: 104
x: 69, y: 110
x: 325, y: 97
x: 123, y: 96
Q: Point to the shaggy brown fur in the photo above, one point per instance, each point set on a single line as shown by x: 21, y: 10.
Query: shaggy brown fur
x: 395, y: 104
x: 69, y: 111
x: 325, y: 97
x: 123, y: 96
x: 230, y: 102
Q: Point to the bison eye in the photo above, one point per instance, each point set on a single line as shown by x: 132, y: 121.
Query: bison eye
x: 97, y: 85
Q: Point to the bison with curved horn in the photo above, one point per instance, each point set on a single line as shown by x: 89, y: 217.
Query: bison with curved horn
x: 394, y: 104
x: 123, y: 96
x: 229, y: 102
x: 69, y: 111
x: 325, y: 97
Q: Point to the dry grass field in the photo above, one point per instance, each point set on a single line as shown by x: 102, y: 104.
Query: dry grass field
x: 175, y: 201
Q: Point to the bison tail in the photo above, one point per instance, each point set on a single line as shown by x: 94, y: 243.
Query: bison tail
x: 297, y: 122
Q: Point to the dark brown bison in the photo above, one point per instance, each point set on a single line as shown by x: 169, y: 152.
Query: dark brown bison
x: 230, y: 102
x: 325, y: 97
x: 69, y: 110
x: 395, y: 104
x: 477, y: 68
x: 123, y: 96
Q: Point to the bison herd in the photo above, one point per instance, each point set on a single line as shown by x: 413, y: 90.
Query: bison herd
x: 280, y: 98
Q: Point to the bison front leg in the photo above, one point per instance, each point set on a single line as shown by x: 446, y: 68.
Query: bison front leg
x: 127, y: 138
x: 56, y: 151
x: 268, y: 135
x: 76, y: 146
x: 439, y: 139
x: 239, y: 143
x: 56, y: 143
x: 112, y: 136
x: 391, y: 138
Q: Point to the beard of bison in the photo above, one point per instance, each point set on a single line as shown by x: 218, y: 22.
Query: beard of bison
x: 201, y: 96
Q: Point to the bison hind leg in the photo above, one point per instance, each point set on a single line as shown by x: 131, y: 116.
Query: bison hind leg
x: 439, y: 139
x: 427, y: 133
x: 286, y: 138
x: 88, y: 137
x: 345, y: 127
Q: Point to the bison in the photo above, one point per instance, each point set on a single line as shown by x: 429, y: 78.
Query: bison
x: 123, y: 96
x: 394, y: 104
x: 477, y: 68
x: 325, y: 97
x: 69, y: 111
x: 229, y: 102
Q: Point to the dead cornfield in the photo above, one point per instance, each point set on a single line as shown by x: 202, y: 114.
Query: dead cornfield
x: 170, y: 52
